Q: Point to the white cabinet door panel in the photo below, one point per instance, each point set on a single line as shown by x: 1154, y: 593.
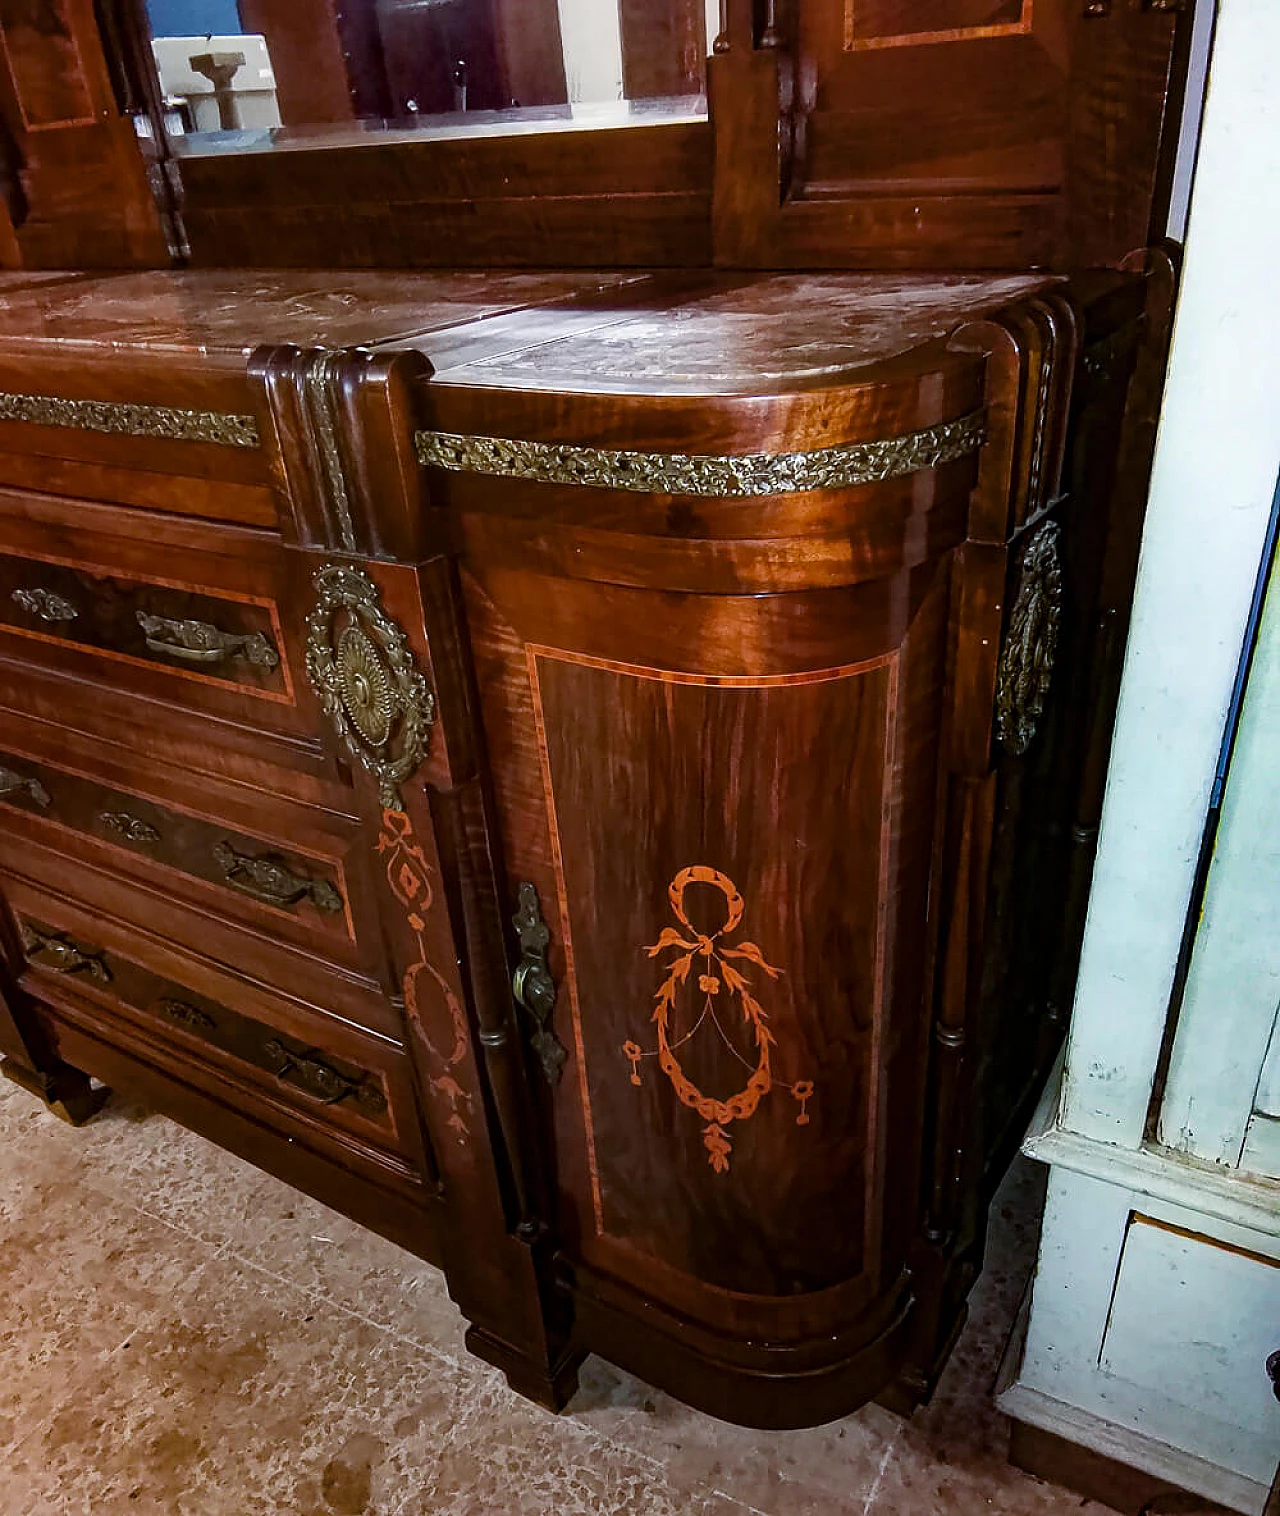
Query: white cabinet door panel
x: 1196, y: 1318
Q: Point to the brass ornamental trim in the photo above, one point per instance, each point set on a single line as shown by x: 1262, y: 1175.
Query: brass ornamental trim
x: 124, y: 418
x: 840, y: 467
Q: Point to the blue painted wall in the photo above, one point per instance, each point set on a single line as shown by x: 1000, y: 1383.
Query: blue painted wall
x: 193, y: 18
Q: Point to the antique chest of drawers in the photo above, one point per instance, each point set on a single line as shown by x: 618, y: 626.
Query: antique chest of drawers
x: 591, y: 775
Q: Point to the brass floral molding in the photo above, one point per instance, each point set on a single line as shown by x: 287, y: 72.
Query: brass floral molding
x: 125, y: 418
x: 1031, y: 642
x: 362, y: 668
x: 828, y: 468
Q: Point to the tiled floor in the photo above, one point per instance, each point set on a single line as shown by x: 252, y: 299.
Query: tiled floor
x: 184, y: 1336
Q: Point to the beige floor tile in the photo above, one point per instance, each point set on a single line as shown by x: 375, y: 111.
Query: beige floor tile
x: 244, y: 1397
x: 801, y: 1472
x: 506, y: 1457
x: 149, y: 1162
x: 916, y: 1482
x: 294, y: 1237
x: 281, y: 1360
x: 76, y: 1281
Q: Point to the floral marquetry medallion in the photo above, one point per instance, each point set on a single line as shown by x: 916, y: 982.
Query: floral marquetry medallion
x: 703, y: 968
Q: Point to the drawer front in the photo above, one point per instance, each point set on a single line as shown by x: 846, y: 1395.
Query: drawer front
x: 307, y: 887
x: 219, y: 638
x: 175, y: 611
x: 298, y: 1069
x: 286, y: 1066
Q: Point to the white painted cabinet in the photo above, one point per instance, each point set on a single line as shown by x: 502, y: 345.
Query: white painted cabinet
x: 1157, y: 1293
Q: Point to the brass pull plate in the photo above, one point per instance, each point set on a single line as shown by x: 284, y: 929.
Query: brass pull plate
x: 13, y: 783
x: 269, y: 879
x: 532, y: 984
x: 202, y: 643
x: 46, y: 604
x: 131, y: 828
x: 62, y: 954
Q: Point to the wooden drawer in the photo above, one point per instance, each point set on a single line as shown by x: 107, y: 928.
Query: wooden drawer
x: 334, y: 1086
x: 152, y: 605
x: 166, y: 920
x: 291, y: 882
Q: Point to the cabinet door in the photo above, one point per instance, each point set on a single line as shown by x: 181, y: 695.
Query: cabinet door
x: 725, y: 804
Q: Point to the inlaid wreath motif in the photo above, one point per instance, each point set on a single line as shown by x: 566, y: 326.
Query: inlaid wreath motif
x: 717, y: 978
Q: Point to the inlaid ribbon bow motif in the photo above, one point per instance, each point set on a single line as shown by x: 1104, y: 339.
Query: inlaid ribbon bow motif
x: 716, y: 975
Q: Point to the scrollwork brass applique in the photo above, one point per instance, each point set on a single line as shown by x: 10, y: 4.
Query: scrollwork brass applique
x: 839, y: 467
x: 125, y: 418
x: 361, y: 666
x: 717, y: 977
x: 185, y: 1014
x: 46, y: 604
x: 1031, y: 642
x: 131, y: 828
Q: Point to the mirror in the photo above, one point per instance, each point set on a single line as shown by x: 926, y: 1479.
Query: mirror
x: 239, y: 75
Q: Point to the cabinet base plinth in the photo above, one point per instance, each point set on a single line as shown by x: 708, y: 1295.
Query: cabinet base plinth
x: 551, y: 1386
x: 67, y: 1092
x: 1097, y: 1477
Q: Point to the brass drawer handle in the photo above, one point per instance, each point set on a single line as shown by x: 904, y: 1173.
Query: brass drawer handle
x: 187, y: 1015
x: 13, y: 783
x: 131, y: 828
x: 322, y: 1080
x: 65, y: 956
x: 46, y: 604
x: 269, y: 879
x: 199, y: 642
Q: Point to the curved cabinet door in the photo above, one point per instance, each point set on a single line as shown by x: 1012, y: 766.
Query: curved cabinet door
x: 725, y: 804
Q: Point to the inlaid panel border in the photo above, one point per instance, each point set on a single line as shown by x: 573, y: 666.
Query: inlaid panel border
x: 285, y: 696
x: 333, y: 862
x: 855, y: 44
x: 891, y: 663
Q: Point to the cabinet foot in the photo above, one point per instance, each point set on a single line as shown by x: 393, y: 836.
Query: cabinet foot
x: 550, y: 1385
x: 66, y: 1091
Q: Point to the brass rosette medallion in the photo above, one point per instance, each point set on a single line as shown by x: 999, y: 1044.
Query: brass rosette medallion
x: 1031, y: 643
x: 361, y: 666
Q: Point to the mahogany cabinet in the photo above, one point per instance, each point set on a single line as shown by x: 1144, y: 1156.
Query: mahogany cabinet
x: 590, y: 775
x: 587, y: 760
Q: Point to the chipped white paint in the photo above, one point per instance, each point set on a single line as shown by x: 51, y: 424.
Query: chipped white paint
x: 1233, y: 988
x: 1149, y: 1345
x: 1215, y: 472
